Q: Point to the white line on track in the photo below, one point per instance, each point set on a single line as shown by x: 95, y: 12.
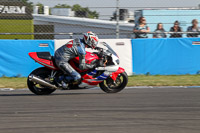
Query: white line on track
x: 6, y: 89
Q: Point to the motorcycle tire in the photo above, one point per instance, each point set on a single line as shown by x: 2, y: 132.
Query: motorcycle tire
x: 109, y: 86
x: 36, y: 88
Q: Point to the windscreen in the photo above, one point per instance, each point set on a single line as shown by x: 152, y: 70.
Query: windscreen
x: 108, y: 49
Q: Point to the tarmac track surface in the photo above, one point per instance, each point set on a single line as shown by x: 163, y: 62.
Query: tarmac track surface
x: 142, y: 110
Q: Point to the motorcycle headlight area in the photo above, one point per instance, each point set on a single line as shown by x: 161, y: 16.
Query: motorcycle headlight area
x: 117, y: 61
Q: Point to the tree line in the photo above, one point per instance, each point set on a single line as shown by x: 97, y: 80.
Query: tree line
x: 76, y: 7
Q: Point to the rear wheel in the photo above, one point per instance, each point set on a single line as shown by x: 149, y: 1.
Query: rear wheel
x: 111, y: 86
x: 37, y: 89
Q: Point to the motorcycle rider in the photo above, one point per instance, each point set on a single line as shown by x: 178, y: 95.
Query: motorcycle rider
x: 71, y: 50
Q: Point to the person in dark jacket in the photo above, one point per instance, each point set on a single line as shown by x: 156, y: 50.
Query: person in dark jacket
x: 176, y: 28
x: 193, y: 28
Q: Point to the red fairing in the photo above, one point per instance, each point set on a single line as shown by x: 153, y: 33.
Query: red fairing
x: 115, y: 74
x: 75, y: 65
x: 90, y: 80
x: 47, y: 63
x: 89, y: 57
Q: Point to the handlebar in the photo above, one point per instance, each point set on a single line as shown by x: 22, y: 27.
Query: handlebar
x: 99, y: 49
x: 102, y: 56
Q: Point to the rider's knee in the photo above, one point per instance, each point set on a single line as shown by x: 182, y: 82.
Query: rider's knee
x: 77, y: 77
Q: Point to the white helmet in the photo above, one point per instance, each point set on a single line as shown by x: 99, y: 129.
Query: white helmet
x: 91, y: 39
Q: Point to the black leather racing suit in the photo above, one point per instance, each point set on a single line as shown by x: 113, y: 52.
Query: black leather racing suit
x: 68, y: 51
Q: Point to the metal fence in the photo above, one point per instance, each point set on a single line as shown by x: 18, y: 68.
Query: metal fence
x: 64, y: 19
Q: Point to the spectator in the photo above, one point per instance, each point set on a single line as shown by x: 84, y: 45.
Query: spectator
x: 176, y: 28
x: 141, y: 29
x: 159, y: 31
x: 193, y: 28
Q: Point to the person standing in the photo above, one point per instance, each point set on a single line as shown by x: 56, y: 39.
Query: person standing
x: 141, y: 29
x: 159, y: 32
x: 176, y: 28
x: 193, y: 28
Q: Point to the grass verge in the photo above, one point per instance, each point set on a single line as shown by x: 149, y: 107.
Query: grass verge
x: 158, y: 80
x: 138, y: 80
x: 16, y: 83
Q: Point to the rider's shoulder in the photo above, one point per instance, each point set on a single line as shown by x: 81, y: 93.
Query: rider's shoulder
x: 69, y: 44
x: 77, y: 41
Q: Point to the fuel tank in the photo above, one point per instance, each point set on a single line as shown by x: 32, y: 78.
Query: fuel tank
x: 89, y: 57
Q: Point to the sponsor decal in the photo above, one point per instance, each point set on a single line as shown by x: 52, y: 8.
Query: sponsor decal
x: 196, y: 43
x: 120, y: 43
x: 44, y: 45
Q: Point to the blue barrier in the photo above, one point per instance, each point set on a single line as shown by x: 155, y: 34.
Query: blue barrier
x: 166, y: 56
x: 14, y: 57
x: 150, y: 56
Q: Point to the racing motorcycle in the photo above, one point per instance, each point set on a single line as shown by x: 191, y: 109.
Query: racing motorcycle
x: 109, y: 76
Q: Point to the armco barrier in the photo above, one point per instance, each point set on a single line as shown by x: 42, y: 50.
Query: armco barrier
x: 121, y: 46
x: 14, y: 57
x: 166, y: 56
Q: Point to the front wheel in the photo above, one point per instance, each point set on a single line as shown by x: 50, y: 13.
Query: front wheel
x: 111, y: 86
x: 37, y: 89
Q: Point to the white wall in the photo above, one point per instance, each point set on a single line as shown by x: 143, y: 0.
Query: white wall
x: 121, y: 46
x: 104, y: 29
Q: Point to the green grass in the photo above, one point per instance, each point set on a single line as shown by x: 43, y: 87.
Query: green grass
x: 16, y: 26
x: 172, y: 80
x: 16, y: 83
x: 138, y: 80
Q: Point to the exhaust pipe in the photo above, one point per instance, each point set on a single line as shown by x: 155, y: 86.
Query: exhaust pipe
x: 42, y: 82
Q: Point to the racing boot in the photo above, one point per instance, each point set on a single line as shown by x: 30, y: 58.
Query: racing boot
x: 62, y: 81
x: 66, y: 80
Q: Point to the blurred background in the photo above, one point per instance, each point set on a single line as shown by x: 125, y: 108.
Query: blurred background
x: 65, y: 19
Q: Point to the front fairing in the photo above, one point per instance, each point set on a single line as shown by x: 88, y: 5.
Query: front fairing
x: 92, y: 78
x: 107, y: 49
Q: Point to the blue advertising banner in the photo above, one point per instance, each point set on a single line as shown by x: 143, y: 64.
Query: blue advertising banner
x: 166, y: 56
x: 14, y: 58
